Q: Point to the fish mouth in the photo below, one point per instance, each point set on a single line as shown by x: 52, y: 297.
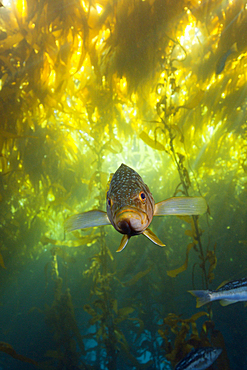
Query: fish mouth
x: 131, y: 221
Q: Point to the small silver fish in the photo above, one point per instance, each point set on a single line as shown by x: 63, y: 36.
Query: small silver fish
x: 199, y: 359
x: 131, y: 207
x: 232, y: 292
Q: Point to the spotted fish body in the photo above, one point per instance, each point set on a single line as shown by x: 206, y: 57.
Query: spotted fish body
x: 130, y: 204
x: 131, y: 207
x: 199, y: 359
x: 231, y: 292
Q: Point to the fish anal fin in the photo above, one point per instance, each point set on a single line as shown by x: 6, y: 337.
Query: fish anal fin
x: 150, y: 235
x: 123, y: 243
x: 226, y: 302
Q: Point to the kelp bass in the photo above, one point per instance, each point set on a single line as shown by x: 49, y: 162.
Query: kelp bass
x: 131, y: 207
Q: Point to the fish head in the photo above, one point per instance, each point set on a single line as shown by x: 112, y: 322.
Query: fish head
x: 215, y: 353
x: 130, y: 204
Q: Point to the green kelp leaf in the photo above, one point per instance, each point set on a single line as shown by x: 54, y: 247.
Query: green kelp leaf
x: 174, y: 273
x: 195, y: 101
x: 177, y: 129
x: 123, y: 314
x: 95, y: 319
x: 83, y: 240
x: 2, y: 262
x: 125, y: 311
x: 7, y: 348
x: 132, y: 359
x: 194, y: 331
x: 141, y: 325
x: 96, y: 178
x: 187, y: 219
x: 150, y: 142
x: 196, y: 316
x: 137, y: 277
x: 189, y: 233
x: 89, y: 310
x: 120, y: 336
x: 10, y: 41
x: 61, y: 253
x: 114, y: 146
x: 10, y: 135
x: 110, y: 254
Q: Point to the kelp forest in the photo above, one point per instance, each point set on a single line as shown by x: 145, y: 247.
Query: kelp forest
x: 86, y: 85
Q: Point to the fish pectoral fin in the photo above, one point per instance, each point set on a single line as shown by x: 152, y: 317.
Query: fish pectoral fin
x: 87, y: 219
x: 123, y: 243
x: 226, y: 302
x: 181, y: 206
x: 150, y: 235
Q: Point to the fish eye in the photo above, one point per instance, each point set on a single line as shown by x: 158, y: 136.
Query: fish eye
x: 109, y: 202
x: 142, y: 196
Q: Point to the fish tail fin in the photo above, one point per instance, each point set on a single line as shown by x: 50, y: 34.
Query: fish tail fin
x: 202, y: 297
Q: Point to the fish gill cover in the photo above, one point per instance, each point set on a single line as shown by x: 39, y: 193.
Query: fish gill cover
x: 159, y: 85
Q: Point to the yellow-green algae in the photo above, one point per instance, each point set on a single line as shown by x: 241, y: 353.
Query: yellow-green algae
x: 87, y: 85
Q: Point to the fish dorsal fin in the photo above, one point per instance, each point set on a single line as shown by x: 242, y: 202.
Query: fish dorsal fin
x: 87, y: 219
x: 181, y: 206
x: 109, y: 181
x: 222, y: 284
x: 226, y: 302
x: 150, y: 235
x: 123, y: 243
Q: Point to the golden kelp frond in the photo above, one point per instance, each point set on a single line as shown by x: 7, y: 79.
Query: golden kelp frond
x: 139, y: 29
x: 7, y: 348
x: 174, y: 273
x: 82, y: 241
x: 152, y: 143
x: 138, y: 276
x: 86, y: 85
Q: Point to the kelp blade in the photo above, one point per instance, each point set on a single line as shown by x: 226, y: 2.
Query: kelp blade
x: 175, y: 272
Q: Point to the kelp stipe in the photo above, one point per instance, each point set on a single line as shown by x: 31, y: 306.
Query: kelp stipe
x: 185, y: 330
x: 167, y: 110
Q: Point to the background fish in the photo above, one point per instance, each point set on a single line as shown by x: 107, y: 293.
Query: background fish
x: 199, y: 359
x: 131, y: 207
x: 231, y: 292
x: 220, y: 65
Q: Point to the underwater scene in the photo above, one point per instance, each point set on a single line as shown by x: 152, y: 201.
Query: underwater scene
x: 123, y: 184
